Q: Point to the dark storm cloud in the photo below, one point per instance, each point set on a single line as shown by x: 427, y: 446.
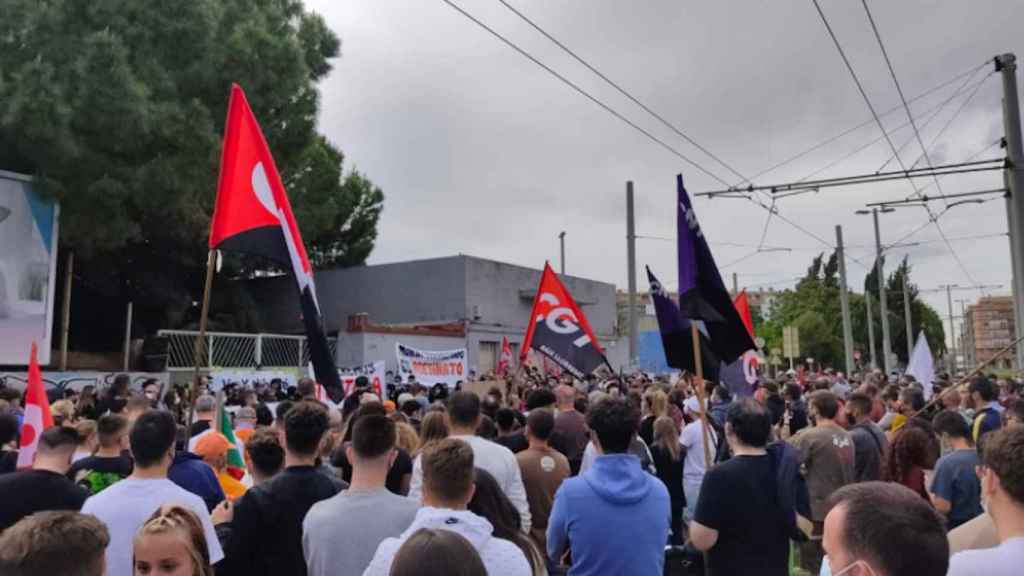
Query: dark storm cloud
x: 479, y: 151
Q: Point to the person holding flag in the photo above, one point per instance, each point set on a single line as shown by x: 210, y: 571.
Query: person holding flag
x: 214, y: 448
x: 505, y: 360
x: 253, y: 216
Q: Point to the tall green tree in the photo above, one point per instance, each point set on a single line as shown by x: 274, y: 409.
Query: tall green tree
x: 117, y: 107
x: 813, y: 306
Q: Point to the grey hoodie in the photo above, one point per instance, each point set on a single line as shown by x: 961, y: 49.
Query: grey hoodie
x: 500, y: 557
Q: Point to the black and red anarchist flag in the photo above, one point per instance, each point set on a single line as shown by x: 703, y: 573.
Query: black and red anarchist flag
x: 253, y: 216
x: 560, y: 331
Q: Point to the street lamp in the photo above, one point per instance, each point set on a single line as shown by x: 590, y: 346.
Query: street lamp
x: 561, y: 238
x: 880, y: 272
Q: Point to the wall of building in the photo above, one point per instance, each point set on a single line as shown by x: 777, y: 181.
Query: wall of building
x: 493, y: 298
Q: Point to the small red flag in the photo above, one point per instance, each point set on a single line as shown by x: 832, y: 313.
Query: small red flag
x: 37, y: 412
x: 742, y: 304
x: 505, y: 362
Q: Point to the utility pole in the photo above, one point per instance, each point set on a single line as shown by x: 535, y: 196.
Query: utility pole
x: 735, y: 285
x: 128, y: 338
x: 631, y: 268
x: 883, y: 305
x: 561, y: 239
x: 1006, y: 64
x: 871, y: 329
x: 952, y: 330
x: 844, y: 300
x: 907, y: 317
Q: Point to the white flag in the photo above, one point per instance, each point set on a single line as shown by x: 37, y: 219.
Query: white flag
x: 921, y: 365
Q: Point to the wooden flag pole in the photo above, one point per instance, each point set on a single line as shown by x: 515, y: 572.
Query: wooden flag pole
x: 211, y: 263
x: 699, y: 388
x: 967, y: 379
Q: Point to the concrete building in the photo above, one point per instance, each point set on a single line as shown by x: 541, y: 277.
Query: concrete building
x: 436, y: 304
x: 989, y: 328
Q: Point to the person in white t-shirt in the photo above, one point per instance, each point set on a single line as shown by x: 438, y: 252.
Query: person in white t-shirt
x: 464, y: 416
x: 1002, y: 495
x: 125, y: 506
x: 692, y: 438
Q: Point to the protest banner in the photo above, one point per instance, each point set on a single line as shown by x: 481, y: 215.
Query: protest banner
x: 374, y: 371
x: 219, y: 378
x: 432, y: 367
x: 58, y: 382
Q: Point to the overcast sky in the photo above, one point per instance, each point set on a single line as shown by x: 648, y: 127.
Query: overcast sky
x: 480, y: 151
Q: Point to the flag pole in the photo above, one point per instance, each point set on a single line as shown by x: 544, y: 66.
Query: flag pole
x: 699, y: 388
x: 211, y: 263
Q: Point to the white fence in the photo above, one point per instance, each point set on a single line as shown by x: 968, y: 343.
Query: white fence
x: 234, y: 350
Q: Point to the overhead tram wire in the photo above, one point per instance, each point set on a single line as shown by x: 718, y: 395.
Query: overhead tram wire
x: 584, y: 93
x: 952, y: 118
x: 620, y: 89
x: 937, y: 111
x: 899, y: 90
x: 881, y: 127
x: 858, y: 150
x: 868, y: 122
x: 920, y: 141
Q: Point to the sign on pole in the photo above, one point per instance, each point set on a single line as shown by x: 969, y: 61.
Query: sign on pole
x: 791, y: 342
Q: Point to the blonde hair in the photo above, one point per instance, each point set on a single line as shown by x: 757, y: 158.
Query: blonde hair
x: 433, y: 428
x: 407, y: 439
x: 63, y: 412
x: 666, y: 435
x: 657, y: 403
x: 183, y: 522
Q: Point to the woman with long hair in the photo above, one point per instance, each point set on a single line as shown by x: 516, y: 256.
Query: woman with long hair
x: 434, y: 552
x: 433, y: 428
x: 490, y: 502
x: 668, y: 455
x: 908, y: 459
x: 171, y: 543
x: 86, y: 407
x: 655, y: 405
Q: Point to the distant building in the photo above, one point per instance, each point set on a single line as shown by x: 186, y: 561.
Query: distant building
x: 989, y: 328
x: 435, y: 304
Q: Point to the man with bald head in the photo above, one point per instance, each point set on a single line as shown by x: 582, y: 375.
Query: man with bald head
x: 571, y: 426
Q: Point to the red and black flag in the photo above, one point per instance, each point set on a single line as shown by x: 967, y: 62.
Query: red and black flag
x: 253, y: 216
x: 560, y: 331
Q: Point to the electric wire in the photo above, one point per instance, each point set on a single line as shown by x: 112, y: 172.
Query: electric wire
x: 584, y: 93
x: 621, y: 90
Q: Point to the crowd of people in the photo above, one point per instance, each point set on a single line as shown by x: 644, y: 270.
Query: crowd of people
x: 633, y: 474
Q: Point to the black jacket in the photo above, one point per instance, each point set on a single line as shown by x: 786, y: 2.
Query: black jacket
x: 266, y: 532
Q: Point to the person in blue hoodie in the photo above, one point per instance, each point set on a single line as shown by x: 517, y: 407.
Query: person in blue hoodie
x: 614, y: 517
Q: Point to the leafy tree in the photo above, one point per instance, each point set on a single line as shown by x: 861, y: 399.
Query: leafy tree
x: 117, y: 107
x: 814, y: 307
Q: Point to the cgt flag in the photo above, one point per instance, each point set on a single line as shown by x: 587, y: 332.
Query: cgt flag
x: 253, y: 216
x: 559, y: 331
x: 740, y: 376
x: 37, y: 412
x: 702, y: 295
x: 676, y: 336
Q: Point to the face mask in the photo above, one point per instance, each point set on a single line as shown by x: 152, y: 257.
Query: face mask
x: 826, y: 570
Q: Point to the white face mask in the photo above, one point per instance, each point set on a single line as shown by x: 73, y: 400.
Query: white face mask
x: 826, y: 569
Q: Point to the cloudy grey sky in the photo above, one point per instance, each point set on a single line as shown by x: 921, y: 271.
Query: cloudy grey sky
x: 479, y: 151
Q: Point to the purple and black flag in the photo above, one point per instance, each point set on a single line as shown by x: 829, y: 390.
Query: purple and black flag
x: 676, y: 335
x: 702, y: 294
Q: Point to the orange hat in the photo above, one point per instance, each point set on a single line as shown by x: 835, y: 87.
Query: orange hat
x: 212, y: 444
x: 389, y: 406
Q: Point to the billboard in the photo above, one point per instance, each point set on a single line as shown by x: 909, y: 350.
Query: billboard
x: 28, y: 263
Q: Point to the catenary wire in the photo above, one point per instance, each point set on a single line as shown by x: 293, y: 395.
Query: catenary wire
x: 583, y: 92
x: 621, y: 90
